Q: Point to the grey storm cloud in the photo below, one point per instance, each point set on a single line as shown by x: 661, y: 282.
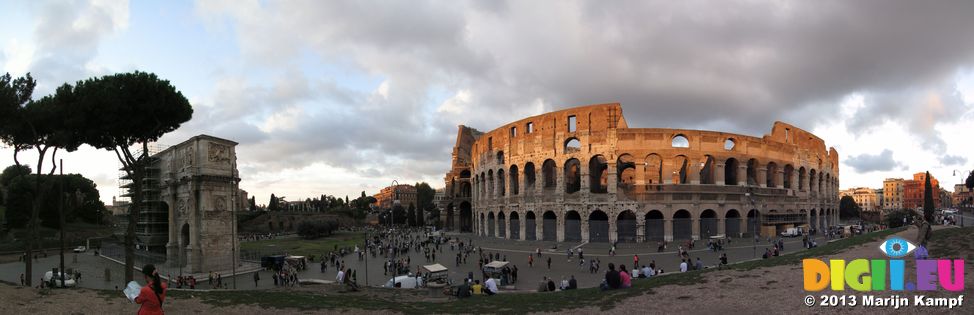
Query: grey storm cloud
x: 866, y: 163
x: 951, y: 160
x: 735, y: 66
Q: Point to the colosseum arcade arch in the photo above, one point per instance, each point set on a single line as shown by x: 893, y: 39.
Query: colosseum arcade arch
x: 491, y: 225
x: 598, y: 172
x: 529, y: 178
x: 598, y: 226
x: 730, y: 172
x: 549, y: 231
x: 626, y: 227
x: 490, y: 184
x: 625, y: 173
x: 732, y: 223
x: 681, y: 164
x: 654, y: 170
x: 707, y: 171
x: 515, y: 226
x: 530, y: 227
x: 789, y: 172
x: 515, y: 189
x: 708, y: 224
x: 500, y: 183
x: 549, y: 171
x: 466, y: 217
x: 682, y: 225
x: 655, y: 226
x: 572, y: 145
x: 573, y: 176
x: 501, y: 225
x: 573, y: 226
x: 752, y: 172
x: 753, y: 218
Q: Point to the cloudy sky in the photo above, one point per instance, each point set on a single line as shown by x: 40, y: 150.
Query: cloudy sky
x: 338, y: 97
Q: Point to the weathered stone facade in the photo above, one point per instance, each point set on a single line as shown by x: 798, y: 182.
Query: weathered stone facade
x: 197, y: 186
x: 582, y: 174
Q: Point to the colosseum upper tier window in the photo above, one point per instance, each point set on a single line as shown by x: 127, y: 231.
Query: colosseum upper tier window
x: 572, y: 145
x: 729, y: 144
x: 681, y: 141
x: 572, y: 123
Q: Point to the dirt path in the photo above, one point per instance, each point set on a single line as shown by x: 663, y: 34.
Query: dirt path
x: 774, y: 290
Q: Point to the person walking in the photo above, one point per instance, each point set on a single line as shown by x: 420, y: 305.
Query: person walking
x: 549, y: 262
x: 256, y: 278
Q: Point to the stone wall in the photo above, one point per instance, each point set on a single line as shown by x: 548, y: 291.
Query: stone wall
x: 600, y: 179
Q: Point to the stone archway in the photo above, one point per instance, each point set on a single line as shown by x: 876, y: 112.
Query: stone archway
x: 598, y: 226
x: 466, y: 218
x: 530, y: 227
x: 501, y: 225
x: 626, y: 227
x: 682, y: 225
x: 655, y: 226
x: 515, y: 226
x: 549, y: 226
x: 573, y: 226
x: 732, y: 223
x: 491, y: 224
x: 708, y: 224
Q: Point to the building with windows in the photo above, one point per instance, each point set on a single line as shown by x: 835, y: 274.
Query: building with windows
x: 868, y: 199
x: 913, y: 191
x: 893, y: 193
x: 962, y: 197
x: 581, y: 174
x: 387, y: 197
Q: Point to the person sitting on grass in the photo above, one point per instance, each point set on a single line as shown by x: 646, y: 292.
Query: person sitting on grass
x: 612, y: 278
x: 478, y: 289
x: 626, y: 279
x: 491, y: 286
x: 463, y: 291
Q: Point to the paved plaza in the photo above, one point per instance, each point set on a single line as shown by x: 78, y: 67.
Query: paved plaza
x: 93, y: 267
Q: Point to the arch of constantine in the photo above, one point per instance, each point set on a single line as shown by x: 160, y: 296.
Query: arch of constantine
x: 581, y: 174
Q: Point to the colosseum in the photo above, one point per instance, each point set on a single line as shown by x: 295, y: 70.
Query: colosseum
x: 582, y: 175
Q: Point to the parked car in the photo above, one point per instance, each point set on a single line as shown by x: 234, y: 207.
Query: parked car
x: 793, y: 232
x: 80, y: 249
x: 68, y: 279
x: 404, y: 282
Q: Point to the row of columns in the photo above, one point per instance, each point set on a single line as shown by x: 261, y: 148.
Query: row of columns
x: 830, y: 218
x: 493, y: 188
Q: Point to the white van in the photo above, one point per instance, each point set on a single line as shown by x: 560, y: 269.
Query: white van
x: 793, y: 232
x: 404, y: 282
